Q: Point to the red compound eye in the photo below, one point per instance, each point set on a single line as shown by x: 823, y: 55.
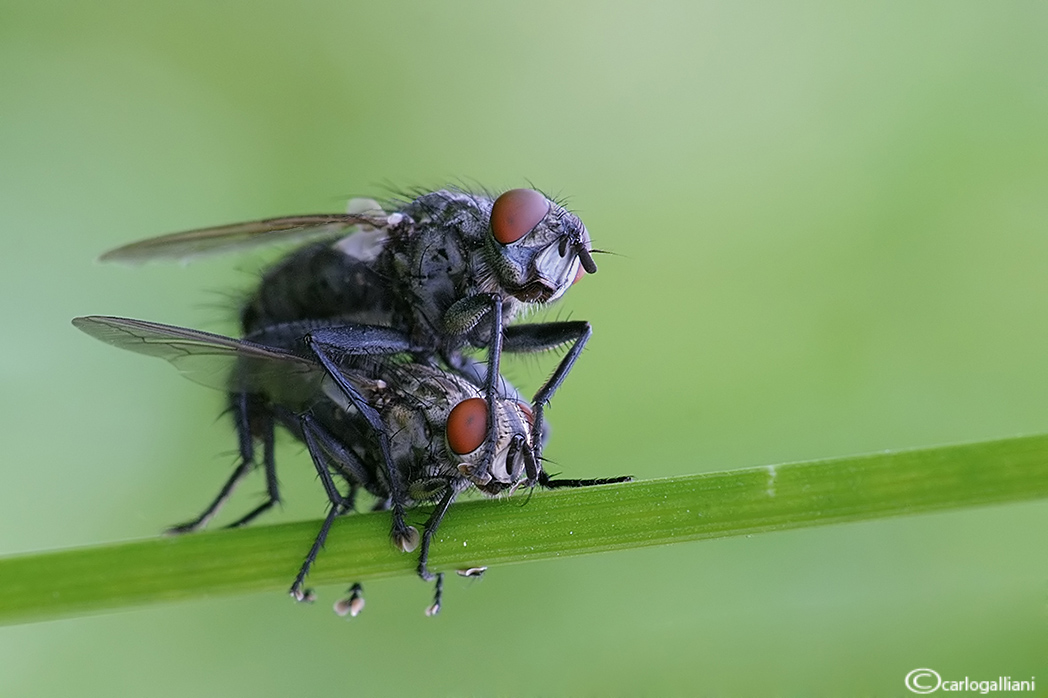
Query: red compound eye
x: 516, y: 213
x: 468, y: 425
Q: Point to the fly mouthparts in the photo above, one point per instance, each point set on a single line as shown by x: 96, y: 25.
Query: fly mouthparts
x: 537, y: 291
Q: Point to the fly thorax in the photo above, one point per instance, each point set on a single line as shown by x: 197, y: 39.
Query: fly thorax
x: 409, y: 435
x: 433, y: 266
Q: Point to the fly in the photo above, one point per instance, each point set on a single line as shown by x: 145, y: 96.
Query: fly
x: 446, y: 270
x: 429, y: 422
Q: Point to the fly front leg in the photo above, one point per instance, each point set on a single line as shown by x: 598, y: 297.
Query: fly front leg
x: 431, y: 527
x: 438, y: 596
x: 542, y: 337
x: 462, y: 317
x: 536, y: 475
x: 549, y: 483
x: 427, y: 536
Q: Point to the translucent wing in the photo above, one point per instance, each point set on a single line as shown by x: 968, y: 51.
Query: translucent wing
x: 362, y: 214
x: 213, y: 360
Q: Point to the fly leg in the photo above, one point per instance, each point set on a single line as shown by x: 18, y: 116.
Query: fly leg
x: 353, y: 604
x: 431, y: 527
x: 462, y: 317
x: 345, y: 340
x: 438, y: 596
x: 346, y: 462
x: 549, y: 483
x: 313, y: 434
x: 541, y: 337
x: 535, y: 474
x: 242, y: 408
x: 227, y: 489
x: 423, y: 559
x: 337, y: 455
x: 265, y: 421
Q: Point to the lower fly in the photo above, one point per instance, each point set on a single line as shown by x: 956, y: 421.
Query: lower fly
x: 406, y: 432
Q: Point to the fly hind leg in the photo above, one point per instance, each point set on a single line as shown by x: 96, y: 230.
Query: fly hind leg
x: 251, y: 418
x: 319, y: 443
x: 263, y: 426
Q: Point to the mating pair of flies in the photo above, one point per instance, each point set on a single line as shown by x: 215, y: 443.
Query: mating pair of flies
x: 356, y: 343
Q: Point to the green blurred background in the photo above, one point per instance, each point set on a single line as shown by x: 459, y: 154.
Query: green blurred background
x: 831, y: 228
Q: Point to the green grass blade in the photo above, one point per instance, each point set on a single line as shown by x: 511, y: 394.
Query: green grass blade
x: 550, y: 524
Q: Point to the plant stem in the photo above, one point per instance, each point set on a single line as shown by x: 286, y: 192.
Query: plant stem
x: 549, y: 524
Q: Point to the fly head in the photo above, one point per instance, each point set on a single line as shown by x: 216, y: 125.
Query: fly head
x: 466, y: 429
x: 536, y: 248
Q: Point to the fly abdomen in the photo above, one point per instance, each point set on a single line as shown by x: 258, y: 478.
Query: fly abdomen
x: 319, y: 282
